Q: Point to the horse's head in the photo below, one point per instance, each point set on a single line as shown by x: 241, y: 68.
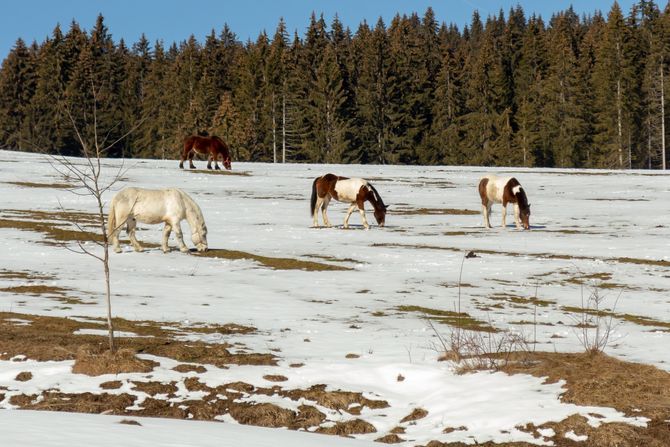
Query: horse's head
x: 524, y: 213
x: 380, y: 214
x: 226, y: 162
x: 199, y: 238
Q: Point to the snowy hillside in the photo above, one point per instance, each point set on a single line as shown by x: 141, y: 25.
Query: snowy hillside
x: 352, y: 316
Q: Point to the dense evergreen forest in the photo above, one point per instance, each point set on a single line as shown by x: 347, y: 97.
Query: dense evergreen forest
x: 509, y: 90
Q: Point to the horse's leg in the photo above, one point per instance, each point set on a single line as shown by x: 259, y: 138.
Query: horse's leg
x: 504, y: 215
x: 486, y: 211
x: 191, y: 154
x: 216, y: 161
x: 361, y: 209
x: 166, y: 236
x: 315, y: 217
x: 517, y: 217
x: 352, y: 207
x: 130, y: 228
x: 180, y: 237
x: 114, y: 238
x: 182, y: 158
x: 324, y: 207
x: 209, y: 161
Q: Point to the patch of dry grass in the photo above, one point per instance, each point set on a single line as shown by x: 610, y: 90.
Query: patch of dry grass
x: 272, y: 262
x: 434, y: 211
x: 43, y: 185
x: 219, y: 172
x: 460, y: 320
x: 53, y: 338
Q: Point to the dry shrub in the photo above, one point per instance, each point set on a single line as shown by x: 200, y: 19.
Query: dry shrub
x: 335, y: 400
x: 352, y: 356
x: 82, y: 403
x: 129, y: 422
x: 24, y: 376
x: 161, y: 408
x: 154, y: 388
x: 308, y: 416
x: 275, y: 378
x: 193, y: 384
x: 262, y: 415
x: 416, y: 414
x: 353, y: 427
x: 391, y: 438
x: 184, y: 368
x: 96, y: 361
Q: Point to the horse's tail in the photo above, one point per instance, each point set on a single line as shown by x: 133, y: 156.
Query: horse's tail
x: 312, y: 201
x: 377, y: 196
x: 111, y: 220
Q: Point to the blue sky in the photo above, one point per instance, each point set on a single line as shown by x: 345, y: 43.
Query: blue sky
x: 176, y: 20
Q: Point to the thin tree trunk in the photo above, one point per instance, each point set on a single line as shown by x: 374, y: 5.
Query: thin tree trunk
x: 283, y: 128
x: 662, y: 120
x: 274, y: 131
x: 619, y: 125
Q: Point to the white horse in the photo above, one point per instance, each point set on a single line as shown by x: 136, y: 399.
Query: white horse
x: 153, y: 206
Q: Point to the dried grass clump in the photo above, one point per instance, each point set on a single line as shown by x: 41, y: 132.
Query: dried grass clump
x: 353, y: 427
x: 416, y: 414
x: 24, y: 376
x: 262, y: 415
x: 95, y: 361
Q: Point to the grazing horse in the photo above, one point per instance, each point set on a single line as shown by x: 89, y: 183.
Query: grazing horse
x: 153, y: 206
x: 213, y: 147
x: 494, y: 189
x: 349, y: 190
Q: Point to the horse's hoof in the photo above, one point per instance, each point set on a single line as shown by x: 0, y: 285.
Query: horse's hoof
x: 117, y: 250
x: 183, y: 249
x: 217, y: 168
x: 139, y: 249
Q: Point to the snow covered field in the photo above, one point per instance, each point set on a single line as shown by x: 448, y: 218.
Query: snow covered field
x: 363, y: 328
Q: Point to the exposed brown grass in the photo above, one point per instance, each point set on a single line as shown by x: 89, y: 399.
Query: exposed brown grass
x: 434, y: 211
x: 24, y: 376
x: 271, y: 262
x: 184, y: 368
x: 53, y: 338
x: 391, y: 438
x: 219, y: 172
x: 416, y: 414
x: 25, y: 275
x: 459, y: 320
x: 43, y: 185
x: 621, y: 260
x: 600, y: 380
x: 275, y: 378
x: 96, y: 361
x: 353, y: 427
x: 154, y: 388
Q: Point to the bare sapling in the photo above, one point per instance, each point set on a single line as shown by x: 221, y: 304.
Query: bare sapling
x: 87, y: 176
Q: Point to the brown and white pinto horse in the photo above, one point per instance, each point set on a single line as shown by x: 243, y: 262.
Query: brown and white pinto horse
x: 213, y: 147
x: 494, y: 189
x: 348, y: 190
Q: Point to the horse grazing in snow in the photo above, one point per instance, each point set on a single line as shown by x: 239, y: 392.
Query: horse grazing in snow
x: 494, y: 189
x: 153, y: 206
x: 213, y: 147
x: 348, y: 190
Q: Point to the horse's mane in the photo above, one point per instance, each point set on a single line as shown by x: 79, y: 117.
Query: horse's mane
x: 521, y: 195
x: 193, y: 211
x: 377, y: 196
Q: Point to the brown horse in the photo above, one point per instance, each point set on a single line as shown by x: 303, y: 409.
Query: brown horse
x: 213, y: 147
x: 349, y: 190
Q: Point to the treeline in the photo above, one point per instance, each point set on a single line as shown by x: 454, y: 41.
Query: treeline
x: 511, y: 90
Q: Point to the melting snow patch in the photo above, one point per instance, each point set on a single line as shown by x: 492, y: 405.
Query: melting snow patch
x: 575, y: 437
